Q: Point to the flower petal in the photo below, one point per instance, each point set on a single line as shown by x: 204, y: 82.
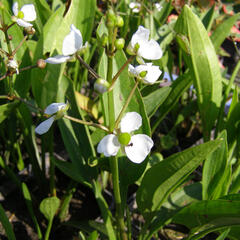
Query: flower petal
x: 57, y: 59
x: 29, y: 12
x: 142, y: 34
x: 54, y: 108
x: 131, y: 70
x: 22, y: 23
x: 44, y: 126
x: 72, y: 42
x: 153, y: 72
x: 131, y: 122
x: 109, y: 145
x: 150, y: 50
x: 15, y: 9
x: 139, y: 147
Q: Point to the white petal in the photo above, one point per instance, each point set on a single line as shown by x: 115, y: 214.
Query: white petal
x: 57, y: 59
x: 132, y: 71
x: 15, y: 9
x: 142, y: 34
x: 131, y: 122
x: 22, y: 23
x: 72, y: 42
x: 109, y: 145
x: 150, y: 50
x: 135, y: 6
x: 153, y: 72
x: 54, y: 108
x: 44, y: 126
x: 139, y: 147
x: 29, y: 12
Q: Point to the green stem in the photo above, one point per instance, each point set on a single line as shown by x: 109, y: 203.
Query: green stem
x: 87, y: 123
x: 111, y: 110
x: 116, y: 190
x: 119, y: 72
x: 48, y: 229
x: 19, y: 45
x: 126, y: 104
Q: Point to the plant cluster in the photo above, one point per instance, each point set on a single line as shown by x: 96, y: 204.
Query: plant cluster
x: 142, y: 100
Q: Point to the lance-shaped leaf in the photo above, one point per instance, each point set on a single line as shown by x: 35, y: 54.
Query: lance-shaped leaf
x: 208, y: 216
x: 203, y: 65
x: 161, y: 179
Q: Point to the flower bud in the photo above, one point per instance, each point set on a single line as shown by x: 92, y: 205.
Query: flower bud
x: 41, y: 63
x: 30, y: 30
x: 101, y: 85
x: 12, y: 66
x: 111, y: 18
x: 119, y: 43
x: 104, y: 40
x: 119, y: 21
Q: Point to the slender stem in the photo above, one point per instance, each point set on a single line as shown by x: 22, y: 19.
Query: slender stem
x: 87, y: 123
x: 48, y: 229
x: 126, y: 104
x: 8, y: 42
x: 116, y: 190
x: 19, y: 45
x: 94, y: 74
x: 111, y: 110
x: 119, y: 72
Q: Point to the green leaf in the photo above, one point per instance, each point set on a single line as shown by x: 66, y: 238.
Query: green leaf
x: 93, y: 236
x: 77, y: 140
x: 223, y: 30
x: 179, y: 199
x: 208, y: 216
x: 6, y: 110
x: 154, y: 100
x: 232, y: 125
x: 160, y: 180
x: 215, y: 171
x: 81, y: 13
x: 28, y: 200
x: 208, y: 18
x: 178, y: 87
x: 49, y: 207
x: 6, y: 224
x: 203, y: 66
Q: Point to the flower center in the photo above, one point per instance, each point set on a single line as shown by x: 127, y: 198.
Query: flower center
x: 124, y: 138
x: 20, y: 15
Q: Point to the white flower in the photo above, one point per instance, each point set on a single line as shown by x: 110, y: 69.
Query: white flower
x: 158, y: 6
x: 25, y: 15
x: 135, y: 6
x: 136, y: 147
x: 143, y: 47
x: 147, y: 73
x: 56, y: 111
x: 72, y: 43
x: 12, y: 64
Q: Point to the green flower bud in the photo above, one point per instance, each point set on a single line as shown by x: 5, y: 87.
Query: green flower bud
x: 124, y: 138
x: 101, y: 85
x: 104, y: 40
x: 119, y: 21
x: 111, y: 18
x: 119, y: 43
